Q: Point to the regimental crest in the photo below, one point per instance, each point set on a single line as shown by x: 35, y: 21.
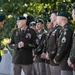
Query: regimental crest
x: 28, y: 35
x: 63, y: 39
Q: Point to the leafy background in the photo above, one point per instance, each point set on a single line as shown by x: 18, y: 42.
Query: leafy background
x: 36, y: 8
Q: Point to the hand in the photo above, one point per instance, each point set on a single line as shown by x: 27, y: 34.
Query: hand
x: 43, y: 55
x: 55, y: 62
x: 47, y: 56
x: 70, y: 63
x: 34, y: 59
x: 20, y: 44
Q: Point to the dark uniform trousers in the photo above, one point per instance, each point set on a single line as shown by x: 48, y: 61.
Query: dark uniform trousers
x: 27, y: 69
x: 73, y: 72
x: 22, y: 57
x: 48, y: 70
x: 64, y: 47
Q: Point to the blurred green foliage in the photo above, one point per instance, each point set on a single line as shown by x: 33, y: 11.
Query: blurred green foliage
x: 36, y: 8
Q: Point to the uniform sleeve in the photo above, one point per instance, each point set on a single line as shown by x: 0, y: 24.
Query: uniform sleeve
x: 72, y: 53
x: 12, y: 44
x: 66, y: 42
x: 34, y: 39
x: 40, y: 47
x: 72, y: 58
x: 53, y: 51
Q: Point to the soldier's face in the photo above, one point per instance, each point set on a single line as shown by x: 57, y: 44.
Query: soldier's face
x: 58, y: 20
x: 39, y: 25
x: 73, y: 14
x: 49, y: 25
x: 53, y: 17
x: 1, y: 24
x: 21, y: 23
x: 33, y: 27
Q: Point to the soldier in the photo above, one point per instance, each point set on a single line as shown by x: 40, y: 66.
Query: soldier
x: 39, y: 62
x: 46, y: 46
x: 33, y: 25
x: 71, y: 59
x: 23, y: 40
x: 52, y: 47
x: 64, y: 44
x: 2, y: 18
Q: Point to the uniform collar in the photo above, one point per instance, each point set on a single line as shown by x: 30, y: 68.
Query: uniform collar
x: 66, y: 25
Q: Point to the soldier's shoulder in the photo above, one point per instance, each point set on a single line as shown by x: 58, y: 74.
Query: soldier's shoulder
x: 14, y: 30
x: 31, y: 30
x: 45, y: 31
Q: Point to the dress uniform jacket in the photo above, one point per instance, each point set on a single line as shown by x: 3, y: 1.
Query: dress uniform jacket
x: 52, y: 43
x: 38, y: 51
x: 72, y: 53
x: 46, y: 44
x: 64, y: 47
x: 23, y: 55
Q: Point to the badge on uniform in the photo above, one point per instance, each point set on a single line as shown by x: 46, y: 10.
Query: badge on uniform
x: 16, y: 33
x: 63, y: 40
x: 28, y: 35
x: 37, y: 41
x: 40, y: 36
x: 65, y: 33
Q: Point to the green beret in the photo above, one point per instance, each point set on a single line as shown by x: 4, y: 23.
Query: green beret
x: 2, y: 17
x: 63, y: 14
x: 21, y: 18
x: 55, y: 11
x: 40, y: 20
x: 33, y: 23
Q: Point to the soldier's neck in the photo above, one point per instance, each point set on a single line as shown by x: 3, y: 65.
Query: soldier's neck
x: 40, y: 30
x: 54, y: 24
x: 63, y: 23
x: 24, y: 27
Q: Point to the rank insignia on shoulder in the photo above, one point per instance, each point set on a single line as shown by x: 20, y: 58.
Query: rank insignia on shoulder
x: 63, y: 40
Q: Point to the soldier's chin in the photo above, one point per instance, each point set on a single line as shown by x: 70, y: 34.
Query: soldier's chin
x: 1, y: 25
